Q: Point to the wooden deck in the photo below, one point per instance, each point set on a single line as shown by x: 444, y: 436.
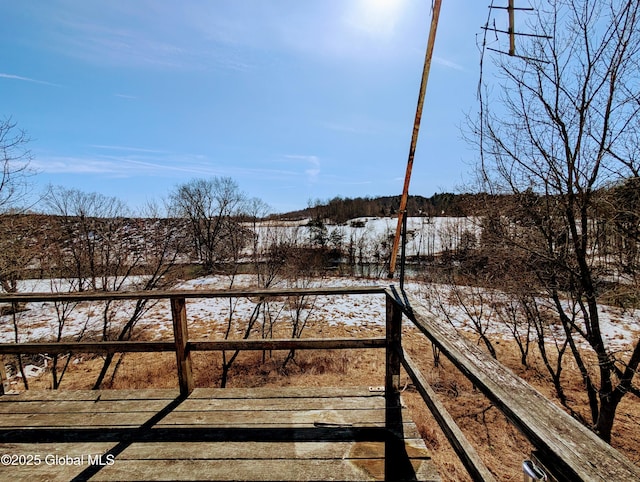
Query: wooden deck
x: 213, y: 434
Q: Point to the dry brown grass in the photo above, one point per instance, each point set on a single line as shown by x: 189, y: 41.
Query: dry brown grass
x: 500, y: 445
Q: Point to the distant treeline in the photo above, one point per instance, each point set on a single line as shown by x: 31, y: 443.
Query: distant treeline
x: 340, y: 210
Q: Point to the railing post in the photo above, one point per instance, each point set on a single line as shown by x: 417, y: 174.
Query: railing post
x: 3, y: 378
x: 396, y: 466
x: 394, y: 345
x: 181, y: 337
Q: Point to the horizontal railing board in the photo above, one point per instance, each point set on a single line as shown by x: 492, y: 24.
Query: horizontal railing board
x: 62, y: 347
x: 78, y: 296
x: 569, y: 447
x: 288, y: 344
x: 154, y: 346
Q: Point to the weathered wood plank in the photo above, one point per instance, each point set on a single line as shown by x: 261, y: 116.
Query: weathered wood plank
x: 275, y: 418
x: 42, y: 472
x: 576, y: 452
x: 181, y: 337
x: 59, y: 348
x: 393, y: 345
x: 258, y: 470
x: 73, y: 420
x: 215, y: 345
x: 188, y: 405
x: 279, y: 418
x: 50, y: 461
x: 289, y: 344
x: 189, y: 294
x: 265, y: 450
x: 92, y: 395
x: 309, y: 440
x: 73, y: 449
x: 81, y: 406
x: 288, y: 393
x: 270, y: 404
x: 202, y: 433
x: 4, y: 383
x: 140, y: 394
x: 49, y: 395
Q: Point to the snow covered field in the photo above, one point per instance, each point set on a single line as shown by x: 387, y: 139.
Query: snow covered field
x: 425, y: 236
x: 207, y: 317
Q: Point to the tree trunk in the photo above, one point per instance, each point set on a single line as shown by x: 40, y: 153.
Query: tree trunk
x: 604, y: 424
x: 103, y: 371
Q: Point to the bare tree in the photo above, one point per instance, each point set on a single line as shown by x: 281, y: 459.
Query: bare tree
x: 212, y: 208
x: 14, y: 162
x: 20, y: 249
x: 623, y: 232
x: 564, y: 127
x: 20, y: 252
x: 16, y: 242
x: 300, y: 274
x: 102, y: 248
x: 473, y: 306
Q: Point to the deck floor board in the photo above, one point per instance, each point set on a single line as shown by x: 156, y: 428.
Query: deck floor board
x: 214, y: 434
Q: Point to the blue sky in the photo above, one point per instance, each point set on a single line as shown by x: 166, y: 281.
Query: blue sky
x: 294, y: 99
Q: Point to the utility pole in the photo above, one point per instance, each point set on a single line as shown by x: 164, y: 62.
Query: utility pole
x: 402, y: 212
x: 511, y: 31
x: 512, y: 35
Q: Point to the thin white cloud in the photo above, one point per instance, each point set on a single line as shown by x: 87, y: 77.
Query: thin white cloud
x: 121, y: 166
x: 127, y: 148
x: 148, y: 163
x: 447, y: 63
x: 119, y: 46
x: 313, y: 171
x: 103, y: 36
x: 346, y: 128
x: 308, y: 158
x: 73, y: 165
x: 125, y: 96
x: 27, y: 79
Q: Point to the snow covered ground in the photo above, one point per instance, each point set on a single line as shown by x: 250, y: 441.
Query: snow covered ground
x: 425, y: 236
x: 620, y: 327
x: 207, y: 317
x: 39, y: 322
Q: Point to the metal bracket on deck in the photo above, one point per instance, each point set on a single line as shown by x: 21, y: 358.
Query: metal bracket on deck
x: 534, y: 471
x: 376, y: 389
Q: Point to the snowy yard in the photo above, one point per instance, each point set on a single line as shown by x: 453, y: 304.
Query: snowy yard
x: 207, y: 317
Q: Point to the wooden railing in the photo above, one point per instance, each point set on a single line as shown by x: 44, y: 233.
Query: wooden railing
x: 568, y: 450
x: 182, y: 345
